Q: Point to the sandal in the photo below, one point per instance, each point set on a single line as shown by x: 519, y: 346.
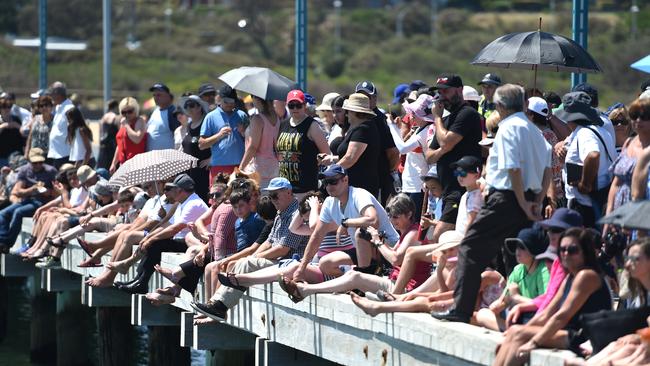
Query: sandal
x: 292, y: 290
x: 90, y: 263
x: 84, y: 245
x: 59, y: 244
x: 230, y: 280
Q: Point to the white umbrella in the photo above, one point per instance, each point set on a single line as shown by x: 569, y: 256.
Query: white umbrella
x: 259, y: 81
x: 152, y: 166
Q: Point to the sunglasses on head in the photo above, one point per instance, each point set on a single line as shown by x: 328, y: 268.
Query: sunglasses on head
x: 294, y: 105
x: 331, y: 181
x: 570, y: 249
x: 127, y: 112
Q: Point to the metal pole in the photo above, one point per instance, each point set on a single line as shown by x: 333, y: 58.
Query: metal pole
x: 106, y: 18
x: 580, y: 33
x: 634, y: 9
x: 301, y: 44
x: 337, y: 28
x: 42, y: 48
x: 434, y: 20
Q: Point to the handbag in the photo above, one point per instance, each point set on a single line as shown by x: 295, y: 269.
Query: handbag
x: 606, y: 326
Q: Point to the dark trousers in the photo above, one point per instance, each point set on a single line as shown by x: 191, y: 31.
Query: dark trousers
x: 60, y: 161
x: 153, y: 254
x: 500, y: 218
x: 587, y: 213
x: 192, y: 275
x: 11, y: 219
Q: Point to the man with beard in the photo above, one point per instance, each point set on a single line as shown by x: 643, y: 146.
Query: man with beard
x: 457, y: 135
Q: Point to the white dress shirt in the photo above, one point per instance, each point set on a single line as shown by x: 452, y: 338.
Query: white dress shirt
x: 59, y: 148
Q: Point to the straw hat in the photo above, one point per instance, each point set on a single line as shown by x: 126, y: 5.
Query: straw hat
x: 358, y: 102
x: 326, y: 105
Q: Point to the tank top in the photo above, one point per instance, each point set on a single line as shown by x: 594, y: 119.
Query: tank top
x: 297, y: 155
x: 77, y: 149
x: 422, y: 269
x: 265, y: 162
x: 160, y: 136
x: 128, y: 148
x: 601, y: 299
x: 191, y: 143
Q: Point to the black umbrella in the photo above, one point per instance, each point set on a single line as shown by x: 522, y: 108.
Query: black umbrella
x: 632, y: 215
x: 536, y: 51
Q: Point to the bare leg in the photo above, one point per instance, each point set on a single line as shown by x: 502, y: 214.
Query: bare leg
x: 364, y: 251
x: 488, y: 319
x: 174, y: 275
x: 329, y: 264
x: 441, y: 227
x: 122, y: 250
x: 349, y: 281
x: 409, y: 263
x: 372, y: 308
x: 518, y: 336
x: 209, y: 280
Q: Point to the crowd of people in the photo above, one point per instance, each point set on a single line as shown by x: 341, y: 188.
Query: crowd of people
x: 481, y: 208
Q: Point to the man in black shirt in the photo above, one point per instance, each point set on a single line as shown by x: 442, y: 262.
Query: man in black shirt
x: 457, y: 135
x: 389, y: 155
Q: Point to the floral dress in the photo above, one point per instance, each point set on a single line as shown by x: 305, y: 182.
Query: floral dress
x: 623, y: 167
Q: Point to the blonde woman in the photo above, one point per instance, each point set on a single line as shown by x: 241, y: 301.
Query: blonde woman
x: 132, y: 135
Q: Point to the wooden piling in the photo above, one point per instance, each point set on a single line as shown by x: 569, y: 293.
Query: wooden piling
x: 165, y: 349
x: 74, y: 328
x: 115, y: 336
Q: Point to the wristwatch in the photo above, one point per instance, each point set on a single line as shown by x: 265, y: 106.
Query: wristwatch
x: 344, y: 223
x: 377, y: 243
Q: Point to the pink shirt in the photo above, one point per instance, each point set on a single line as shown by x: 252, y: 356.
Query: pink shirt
x: 222, y: 226
x: 554, y: 283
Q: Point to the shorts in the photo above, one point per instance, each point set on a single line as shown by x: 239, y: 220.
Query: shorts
x: 73, y: 220
x: 450, y: 203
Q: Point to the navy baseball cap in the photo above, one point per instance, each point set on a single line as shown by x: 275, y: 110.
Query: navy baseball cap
x: 160, y: 87
x: 206, y: 88
x: 332, y: 171
x: 399, y: 91
x: 490, y: 79
x: 468, y: 163
x: 563, y: 218
x: 533, y: 239
x: 367, y: 87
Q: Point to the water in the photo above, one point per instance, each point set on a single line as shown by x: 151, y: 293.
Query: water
x: 14, y: 349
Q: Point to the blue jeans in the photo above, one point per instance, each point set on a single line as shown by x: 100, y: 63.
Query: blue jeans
x: 11, y: 219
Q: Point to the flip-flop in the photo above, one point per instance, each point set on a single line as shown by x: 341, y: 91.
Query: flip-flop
x: 292, y: 290
x: 51, y: 242
x: 84, y: 245
x: 230, y: 280
x: 89, y: 264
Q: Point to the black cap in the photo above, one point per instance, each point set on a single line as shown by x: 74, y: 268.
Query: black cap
x: 366, y: 87
x: 227, y: 92
x: 645, y: 85
x: 533, y: 239
x: 417, y: 84
x: 206, y: 88
x: 577, y: 108
x: 590, y: 90
x: 468, y: 163
x: 182, y: 181
x: 445, y: 81
x: 491, y: 79
x: 160, y: 87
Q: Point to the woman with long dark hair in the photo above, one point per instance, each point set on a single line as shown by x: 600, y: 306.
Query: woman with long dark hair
x: 79, y: 138
x: 196, y: 109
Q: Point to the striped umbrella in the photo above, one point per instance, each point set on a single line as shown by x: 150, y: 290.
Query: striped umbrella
x: 152, y: 166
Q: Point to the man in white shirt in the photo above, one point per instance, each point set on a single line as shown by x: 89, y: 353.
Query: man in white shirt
x: 591, y: 150
x: 354, y: 209
x: 172, y: 238
x: 59, y: 150
x: 518, y: 175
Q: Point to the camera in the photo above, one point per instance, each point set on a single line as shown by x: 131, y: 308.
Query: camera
x: 614, y: 244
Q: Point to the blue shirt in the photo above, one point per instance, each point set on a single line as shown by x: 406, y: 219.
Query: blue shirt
x: 247, y: 231
x: 160, y: 129
x: 229, y: 150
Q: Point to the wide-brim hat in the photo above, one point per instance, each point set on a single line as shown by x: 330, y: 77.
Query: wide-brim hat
x: 534, y: 239
x: 326, y: 104
x: 420, y: 106
x: 36, y: 155
x: 576, y: 107
x: 358, y: 102
x: 195, y: 98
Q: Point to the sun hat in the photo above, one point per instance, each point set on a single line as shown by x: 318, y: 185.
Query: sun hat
x: 421, y: 107
x: 296, y: 95
x: 534, y: 239
x: 358, y: 102
x: 84, y: 173
x: 195, y: 98
x: 66, y: 166
x: 36, y: 155
x: 326, y: 104
x: 563, y: 218
x: 278, y: 183
x: 101, y: 188
x: 449, y: 239
x: 470, y: 94
x: 400, y: 90
x: 538, y: 105
x: 577, y: 109
x: 207, y: 88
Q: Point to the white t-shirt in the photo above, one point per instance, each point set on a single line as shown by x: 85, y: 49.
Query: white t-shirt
x: 150, y: 209
x: 358, y: 199
x: 59, y: 148
x: 415, y: 165
x: 77, y: 149
x: 470, y: 202
x: 187, y: 212
x: 78, y: 196
x: 518, y: 144
x: 582, y: 142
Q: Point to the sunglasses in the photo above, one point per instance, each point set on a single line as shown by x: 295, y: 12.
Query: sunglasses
x: 556, y: 230
x: 569, y: 250
x: 331, y: 181
x: 227, y: 100
x: 167, y: 189
x: 274, y: 195
x: 460, y: 173
x: 44, y: 106
x: 191, y: 105
x: 127, y: 112
x: 633, y: 258
x: 294, y: 105
x: 619, y: 122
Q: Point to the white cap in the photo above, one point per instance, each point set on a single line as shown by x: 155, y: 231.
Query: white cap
x: 645, y: 94
x: 538, y: 105
x: 326, y: 105
x: 470, y: 93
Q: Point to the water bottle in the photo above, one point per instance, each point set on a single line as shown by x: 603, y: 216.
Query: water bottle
x: 397, y: 181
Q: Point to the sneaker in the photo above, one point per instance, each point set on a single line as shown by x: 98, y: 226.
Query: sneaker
x: 50, y: 263
x: 19, y: 250
x: 212, y: 309
x: 450, y: 316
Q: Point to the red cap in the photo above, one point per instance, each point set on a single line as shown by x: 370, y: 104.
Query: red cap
x: 296, y: 95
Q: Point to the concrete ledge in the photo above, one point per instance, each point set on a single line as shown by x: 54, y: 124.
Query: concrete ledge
x: 57, y: 280
x: 103, y: 297
x: 14, y: 266
x: 143, y: 313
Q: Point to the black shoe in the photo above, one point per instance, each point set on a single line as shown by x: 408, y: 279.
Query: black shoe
x: 4, y: 249
x: 450, y: 316
x: 227, y: 281
x: 138, y: 287
x: 119, y: 284
x: 212, y: 309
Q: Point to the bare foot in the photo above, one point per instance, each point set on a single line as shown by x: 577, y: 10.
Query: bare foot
x: 167, y: 273
x: 158, y: 299
x: 174, y: 291
x: 100, y: 281
x: 204, y: 320
x: 368, y: 307
x: 119, y: 266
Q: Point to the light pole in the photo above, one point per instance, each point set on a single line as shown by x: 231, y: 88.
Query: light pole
x: 106, y: 20
x: 634, y: 9
x: 399, y: 23
x: 337, y: 26
x: 42, y: 51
